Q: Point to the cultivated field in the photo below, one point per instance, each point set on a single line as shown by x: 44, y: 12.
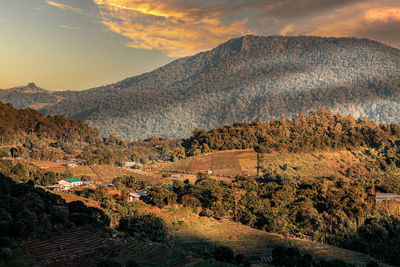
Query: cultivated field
x: 79, y: 248
x: 244, y: 162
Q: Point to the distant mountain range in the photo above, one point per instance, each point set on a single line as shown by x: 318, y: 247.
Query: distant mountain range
x: 244, y: 78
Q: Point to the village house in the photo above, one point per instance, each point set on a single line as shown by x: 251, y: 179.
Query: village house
x: 176, y: 176
x: 131, y: 164
x: 59, y: 187
x: 108, y: 185
x: 137, y: 195
x: 71, y: 164
x: 72, y: 182
x: 386, y: 197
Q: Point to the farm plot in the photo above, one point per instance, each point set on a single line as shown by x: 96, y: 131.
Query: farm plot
x: 226, y: 164
x: 180, y: 166
x: 200, y: 163
x: 248, y: 162
x: 80, y: 171
x: 107, y: 173
x: 79, y: 248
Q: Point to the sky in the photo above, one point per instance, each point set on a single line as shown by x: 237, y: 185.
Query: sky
x: 81, y: 44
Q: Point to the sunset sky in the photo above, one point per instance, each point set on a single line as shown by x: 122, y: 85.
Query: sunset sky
x: 80, y: 44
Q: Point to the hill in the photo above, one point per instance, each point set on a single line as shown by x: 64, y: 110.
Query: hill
x: 244, y: 78
x: 27, y: 133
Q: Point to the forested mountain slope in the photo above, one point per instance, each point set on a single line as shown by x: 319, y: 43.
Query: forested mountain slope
x: 245, y: 78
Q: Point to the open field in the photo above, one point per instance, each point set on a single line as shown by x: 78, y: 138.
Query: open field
x: 193, y: 234
x: 313, y: 165
x: 107, y: 173
x: 225, y: 164
x: 244, y: 162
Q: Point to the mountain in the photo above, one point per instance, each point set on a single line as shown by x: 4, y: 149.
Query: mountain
x: 28, y: 96
x: 244, y: 78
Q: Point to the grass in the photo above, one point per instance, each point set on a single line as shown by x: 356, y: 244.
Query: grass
x: 107, y: 173
x: 180, y: 166
x: 201, y: 163
x: 313, y: 165
x: 226, y: 164
x: 197, y: 233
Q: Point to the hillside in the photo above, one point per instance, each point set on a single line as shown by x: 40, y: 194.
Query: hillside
x: 244, y: 78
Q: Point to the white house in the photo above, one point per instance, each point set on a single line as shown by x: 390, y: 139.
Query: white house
x: 136, y: 195
x: 72, y: 182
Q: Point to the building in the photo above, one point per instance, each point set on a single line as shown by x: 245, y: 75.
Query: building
x: 133, y: 196
x: 176, y: 176
x: 108, y: 185
x: 137, y: 195
x: 71, y: 164
x: 59, y: 187
x: 72, y: 182
x: 87, y: 183
x: 131, y: 164
x: 379, y: 197
x: 209, y: 171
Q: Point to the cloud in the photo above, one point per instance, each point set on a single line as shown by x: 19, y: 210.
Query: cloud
x: 65, y: 7
x: 298, y: 8
x: 382, y: 24
x: 177, y: 28
x: 68, y: 27
x: 184, y: 27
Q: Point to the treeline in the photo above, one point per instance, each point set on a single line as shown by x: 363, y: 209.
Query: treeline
x: 16, y: 124
x: 28, y: 134
x: 329, y: 210
x: 318, y: 130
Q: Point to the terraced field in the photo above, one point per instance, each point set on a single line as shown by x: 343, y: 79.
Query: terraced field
x: 80, y: 248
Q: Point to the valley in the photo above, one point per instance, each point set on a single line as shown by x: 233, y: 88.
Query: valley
x: 263, y: 151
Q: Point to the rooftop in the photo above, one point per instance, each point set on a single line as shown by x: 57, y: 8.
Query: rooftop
x: 71, y: 180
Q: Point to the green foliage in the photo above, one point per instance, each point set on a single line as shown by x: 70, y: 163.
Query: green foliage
x: 28, y: 212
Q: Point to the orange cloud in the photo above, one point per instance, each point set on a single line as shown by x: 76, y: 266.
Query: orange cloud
x: 64, y: 6
x: 177, y: 29
x: 184, y: 27
x: 383, y: 14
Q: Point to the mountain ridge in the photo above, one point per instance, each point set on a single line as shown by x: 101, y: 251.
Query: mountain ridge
x: 241, y: 79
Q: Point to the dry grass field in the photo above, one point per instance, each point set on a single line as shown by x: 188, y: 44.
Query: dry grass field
x: 201, y: 163
x: 107, y: 173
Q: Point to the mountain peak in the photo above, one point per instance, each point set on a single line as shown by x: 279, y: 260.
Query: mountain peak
x: 29, y: 88
x: 31, y: 85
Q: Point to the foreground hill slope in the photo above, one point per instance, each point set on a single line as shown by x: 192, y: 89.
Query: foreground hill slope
x: 244, y: 78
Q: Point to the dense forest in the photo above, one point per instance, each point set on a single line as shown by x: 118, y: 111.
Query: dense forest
x: 244, y: 78
x: 27, y: 133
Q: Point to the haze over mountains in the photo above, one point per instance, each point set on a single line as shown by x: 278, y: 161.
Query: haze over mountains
x: 244, y: 78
